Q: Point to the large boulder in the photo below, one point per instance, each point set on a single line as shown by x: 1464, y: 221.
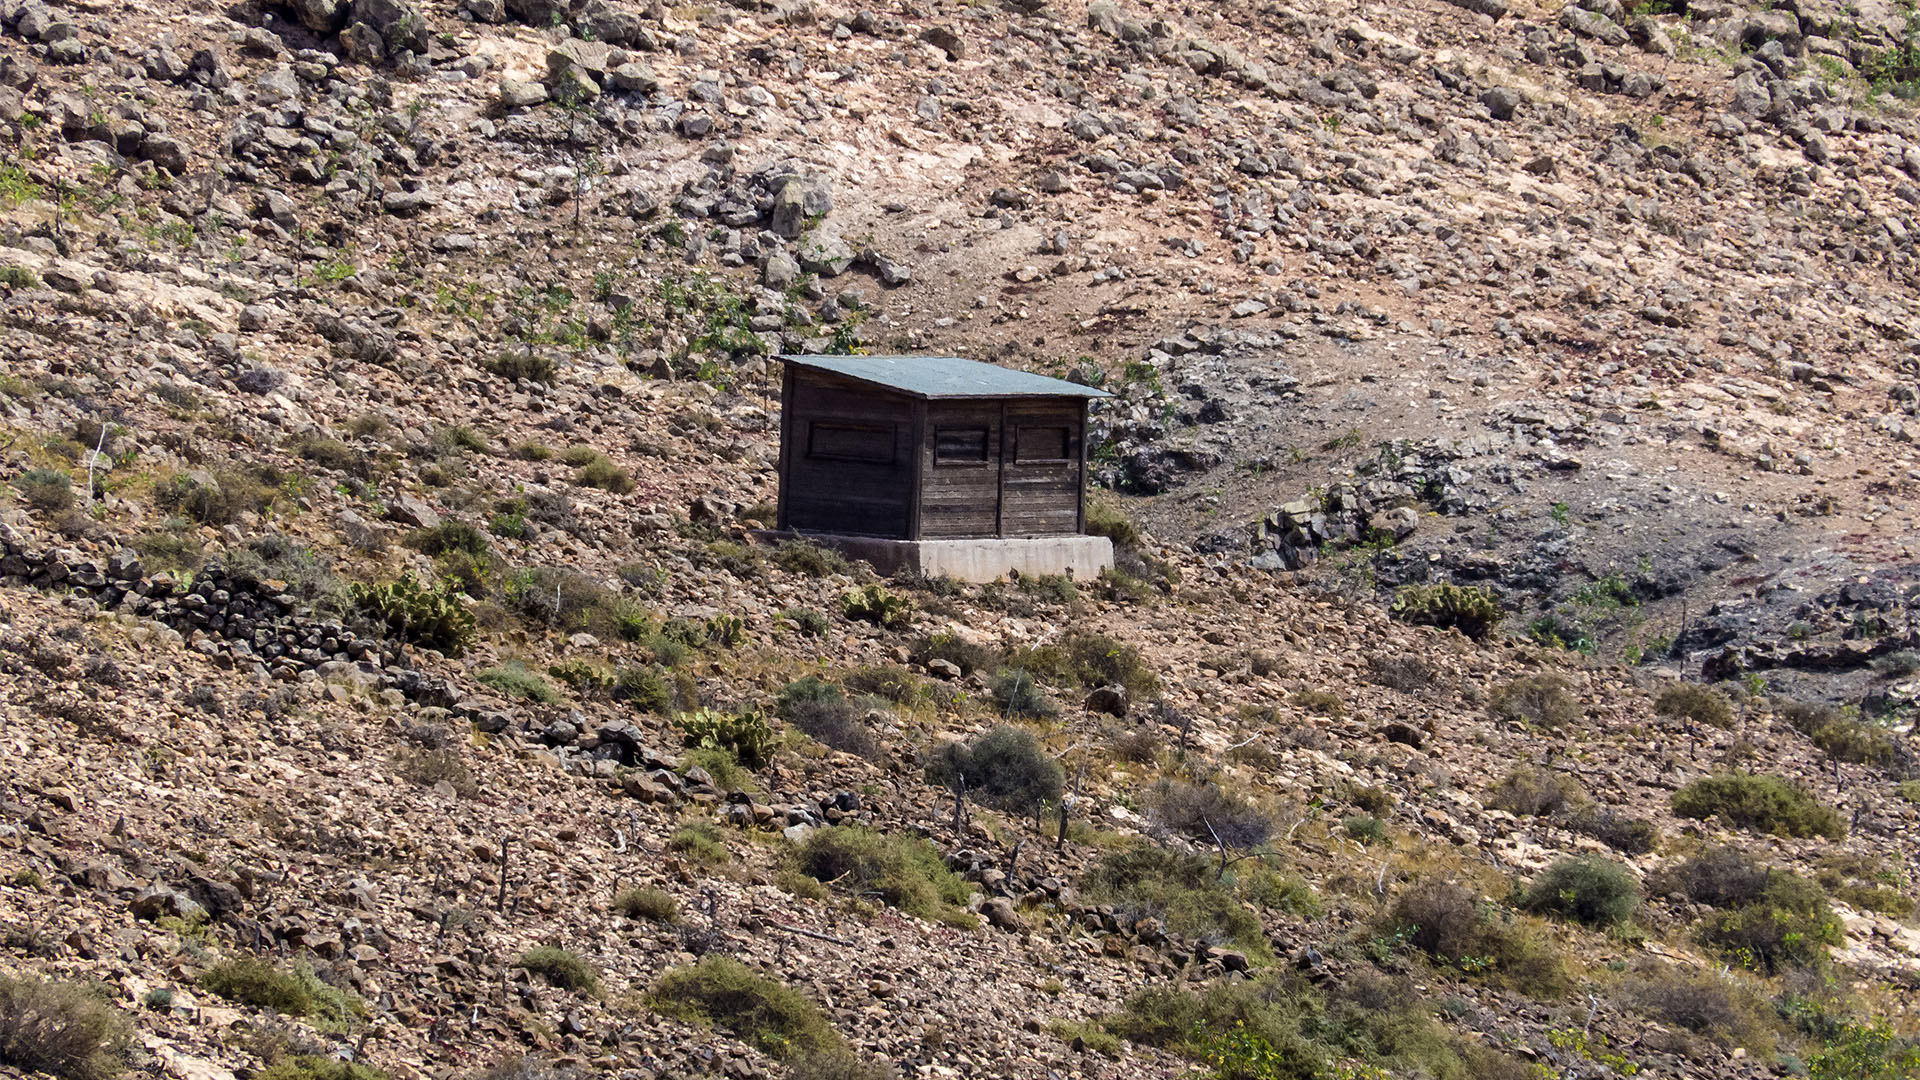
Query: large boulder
x: 801, y: 203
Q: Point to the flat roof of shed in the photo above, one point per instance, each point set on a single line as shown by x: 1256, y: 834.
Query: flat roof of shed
x: 944, y: 377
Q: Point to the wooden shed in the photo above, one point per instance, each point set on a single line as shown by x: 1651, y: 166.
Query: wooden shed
x: 928, y: 448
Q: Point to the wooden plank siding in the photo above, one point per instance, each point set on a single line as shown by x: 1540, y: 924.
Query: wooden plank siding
x: 1040, y: 470
x: 960, y: 498
x: 859, y: 459
x: 847, y: 462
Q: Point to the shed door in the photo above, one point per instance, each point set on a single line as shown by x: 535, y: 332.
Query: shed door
x: 1040, y: 471
x: 960, y: 485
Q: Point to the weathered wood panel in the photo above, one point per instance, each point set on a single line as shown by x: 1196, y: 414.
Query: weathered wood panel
x: 848, y: 457
x: 1040, y: 477
x: 960, y: 463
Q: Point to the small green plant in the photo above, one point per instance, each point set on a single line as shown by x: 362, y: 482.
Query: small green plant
x: 524, y: 363
x: 48, y: 491
x: 806, y: 620
x: 745, y: 735
x: 811, y: 559
x: 516, y: 680
x: 1764, y: 804
x: 1472, y: 610
x: 159, y: 999
x: 1535, y: 792
x: 449, y: 537
x: 560, y: 968
x: 1592, y: 891
x: 434, y: 618
x: 18, y: 277
x: 294, y: 992
x: 61, y: 1029
x: 1005, y: 768
x: 1186, y: 892
x: 905, y: 871
x: 701, y: 841
x: 764, y: 1012
x: 1789, y: 924
x: 1365, y: 829
x: 1017, y: 694
x: 315, y: 1067
x: 602, y: 473
x: 1908, y: 790
x: 16, y: 187
x: 652, y: 905
x: 877, y: 605
x: 1695, y: 704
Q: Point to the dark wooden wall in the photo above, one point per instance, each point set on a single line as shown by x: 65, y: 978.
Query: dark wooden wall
x: 1008, y: 468
x: 846, y: 456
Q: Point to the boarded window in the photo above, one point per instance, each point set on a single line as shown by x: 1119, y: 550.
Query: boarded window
x: 959, y: 445
x: 1040, y: 444
x: 851, y: 442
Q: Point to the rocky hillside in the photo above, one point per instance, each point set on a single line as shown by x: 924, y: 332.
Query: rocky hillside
x: 1509, y: 671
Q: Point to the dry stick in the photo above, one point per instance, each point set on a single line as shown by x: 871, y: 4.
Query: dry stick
x: 91, y: 460
x: 500, y: 904
x: 814, y: 934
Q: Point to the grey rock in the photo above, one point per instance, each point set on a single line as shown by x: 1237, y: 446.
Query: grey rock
x: 1594, y: 25
x: 944, y: 39
x: 1501, y: 101
x: 780, y: 271
x: 801, y: 201
x: 407, y: 203
x: 1110, y: 700
x: 1493, y: 9
x: 999, y: 912
x: 320, y: 16
x: 408, y: 510
x: 634, y: 78
x: 164, y: 151
x: 823, y: 252
x: 521, y: 93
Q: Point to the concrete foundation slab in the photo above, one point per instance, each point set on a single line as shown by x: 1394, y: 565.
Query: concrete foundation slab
x: 1079, y: 557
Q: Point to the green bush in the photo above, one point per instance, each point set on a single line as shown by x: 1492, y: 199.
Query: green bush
x: 1365, y: 829
x: 905, y: 871
x: 1185, y: 892
x: 646, y: 689
x: 560, y: 968
x: 430, y: 618
x: 295, y: 992
x: 520, y: 682
x: 48, y: 491
x: 1722, y: 877
x: 1540, y: 700
x: 811, y: 559
x: 649, y: 904
x: 701, y: 841
x: 1765, y: 804
x: 1628, y: 835
x: 1017, y: 694
x: 60, y: 1029
x: 876, y: 605
x: 745, y: 735
x: 222, y: 499
x: 896, y: 684
x: 1106, y: 519
x: 1589, y: 890
x: 1004, y: 768
x: 1908, y: 790
x: 726, y: 993
x: 820, y: 711
x: 17, y: 277
x: 808, y: 621
x: 1866, y: 1051
x: 523, y: 363
x: 1695, y: 704
x: 316, y: 1067
x: 450, y: 536
x: 1788, y: 925
x: 602, y: 473
x: 1091, y: 660
x: 955, y: 650
x: 1472, y: 610
x: 1846, y: 738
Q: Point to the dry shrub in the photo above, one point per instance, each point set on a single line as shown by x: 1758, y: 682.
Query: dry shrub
x: 1447, y: 922
x: 61, y: 1029
x: 1209, y: 813
x: 1720, y: 877
x: 1540, y: 700
x: 1706, y: 1003
x: 1531, y: 791
x: 1405, y: 672
x: 1695, y: 704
